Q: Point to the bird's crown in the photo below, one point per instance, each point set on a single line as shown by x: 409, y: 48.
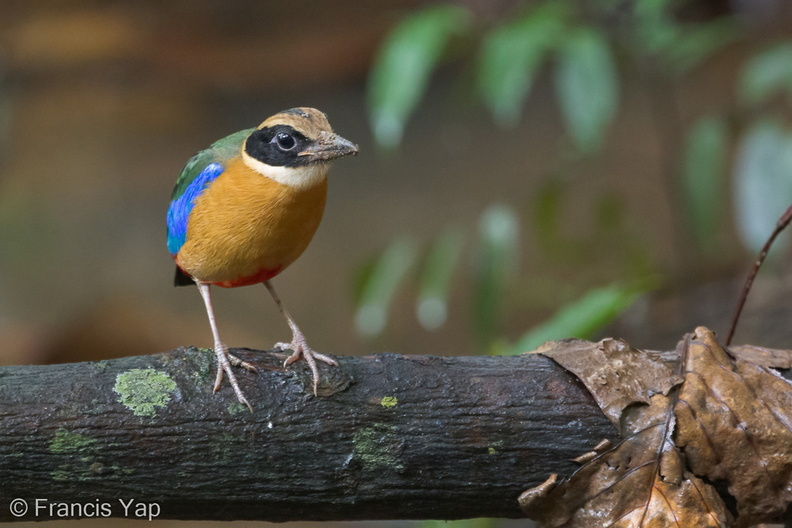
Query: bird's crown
x: 308, y: 121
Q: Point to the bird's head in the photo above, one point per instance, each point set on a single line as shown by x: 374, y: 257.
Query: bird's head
x: 294, y: 147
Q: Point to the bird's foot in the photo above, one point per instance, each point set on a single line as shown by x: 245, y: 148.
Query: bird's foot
x: 224, y: 363
x: 301, y: 350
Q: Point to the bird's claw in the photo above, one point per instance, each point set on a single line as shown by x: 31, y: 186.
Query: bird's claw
x: 224, y: 363
x: 300, y: 349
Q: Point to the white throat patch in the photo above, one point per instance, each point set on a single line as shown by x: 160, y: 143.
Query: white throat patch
x: 298, y: 178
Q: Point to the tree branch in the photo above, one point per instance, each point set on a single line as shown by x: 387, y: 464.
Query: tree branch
x: 389, y: 437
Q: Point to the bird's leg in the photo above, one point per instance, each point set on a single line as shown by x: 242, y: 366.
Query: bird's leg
x: 224, y: 359
x: 299, y: 345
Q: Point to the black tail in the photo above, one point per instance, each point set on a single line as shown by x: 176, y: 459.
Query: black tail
x: 181, y: 278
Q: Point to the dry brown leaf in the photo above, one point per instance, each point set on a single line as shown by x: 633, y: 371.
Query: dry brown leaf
x: 615, y: 373
x: 767, y: 357
x: 735, y: 424
x: 641, y: 482
x: 733, y: 421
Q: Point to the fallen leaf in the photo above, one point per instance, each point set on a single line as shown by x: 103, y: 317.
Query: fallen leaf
x: 735, y: 424
x: 531, y: 496
x: 615, y: 373
x: 641, y: 482
x: 727, y: 420
x: 767, y: 357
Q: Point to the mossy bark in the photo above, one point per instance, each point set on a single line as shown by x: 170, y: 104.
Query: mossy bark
x: 389, y: 436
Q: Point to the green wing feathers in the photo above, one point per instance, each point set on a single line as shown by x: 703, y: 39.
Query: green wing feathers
x: 220, y: 151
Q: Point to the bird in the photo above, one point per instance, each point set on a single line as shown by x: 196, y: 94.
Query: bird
x: 247, y: 207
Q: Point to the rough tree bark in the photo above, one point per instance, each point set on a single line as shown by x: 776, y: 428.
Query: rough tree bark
x: 389, y: 437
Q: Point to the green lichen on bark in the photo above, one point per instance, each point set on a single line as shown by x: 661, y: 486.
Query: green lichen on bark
x: 66, y: 441
x: 378, y: 447
x: 78, y: 452
x: 389, y: 402
x: 144, y: 391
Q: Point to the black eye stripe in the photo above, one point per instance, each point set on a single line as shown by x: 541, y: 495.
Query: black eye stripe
x: 264, y: 146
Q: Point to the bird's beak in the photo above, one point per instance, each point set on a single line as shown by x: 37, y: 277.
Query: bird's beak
x: 330, y: 146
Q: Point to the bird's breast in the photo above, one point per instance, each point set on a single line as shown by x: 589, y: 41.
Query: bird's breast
x: 246, y: 228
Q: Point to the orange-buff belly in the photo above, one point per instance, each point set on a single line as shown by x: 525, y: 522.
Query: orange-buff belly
x: 246, y: 228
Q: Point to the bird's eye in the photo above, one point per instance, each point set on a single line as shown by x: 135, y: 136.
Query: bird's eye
x: 285, y: 141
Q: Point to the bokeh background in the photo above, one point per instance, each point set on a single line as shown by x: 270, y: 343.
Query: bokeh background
x: 491, y: 212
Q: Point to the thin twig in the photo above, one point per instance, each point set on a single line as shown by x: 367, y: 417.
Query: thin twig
x: 783, y: 221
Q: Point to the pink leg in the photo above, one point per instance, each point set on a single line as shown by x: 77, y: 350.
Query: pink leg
x: 299, y: 345
x: 224, y: 359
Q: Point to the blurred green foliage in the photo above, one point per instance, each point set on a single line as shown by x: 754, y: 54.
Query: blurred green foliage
x: 401, y: 73
x: 582, y: 318
x: 762, y: 180
x: 510, y: 57
x: 573, y: 37
x: 493, y: 276
x: 704, y: 165
x: 378, y: 284
x: 767, y: 74
x: 586, y: 45
x: 586, y: 86
x: 435, y: 282
x: 653, y: 31
x: 496, y: 262
x: 763, y: 165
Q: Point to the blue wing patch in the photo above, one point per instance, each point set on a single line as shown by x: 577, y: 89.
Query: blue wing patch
x: 179, y: 210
